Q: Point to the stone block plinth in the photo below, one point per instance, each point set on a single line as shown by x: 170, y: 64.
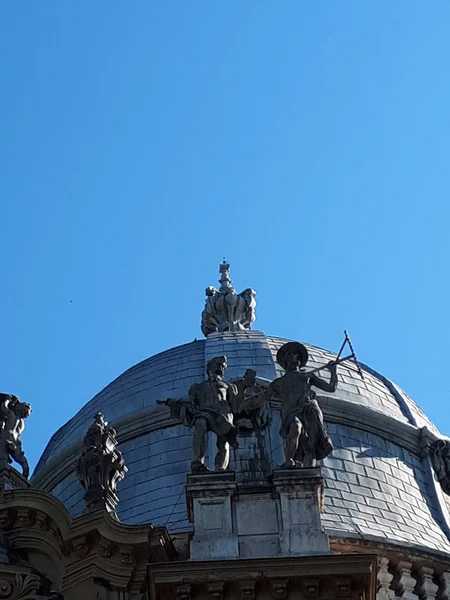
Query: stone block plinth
x: 209, y: 501
x: 300, y: 493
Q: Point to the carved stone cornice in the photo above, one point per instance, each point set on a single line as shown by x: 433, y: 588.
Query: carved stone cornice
x: 92, y: 547
x: 345, y: 576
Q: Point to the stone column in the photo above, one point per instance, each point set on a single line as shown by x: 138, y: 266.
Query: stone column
x: 300, y: 493
x: 209, y: 506
x: 406, y: 583
x: 428, y: 588
x: 384, y: 578
x: 445, y: 581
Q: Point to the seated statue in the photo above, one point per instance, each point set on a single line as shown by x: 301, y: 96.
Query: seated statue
x: 12, y: 415
x: 210, y: 407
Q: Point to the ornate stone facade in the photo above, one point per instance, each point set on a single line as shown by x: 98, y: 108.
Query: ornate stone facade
x: 302, y: 486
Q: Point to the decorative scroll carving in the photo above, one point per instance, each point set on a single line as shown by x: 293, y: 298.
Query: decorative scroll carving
x: 105, y: 548
x: 225, y: 310
x: 81, y: 547
x: 24, y: 586
x: 100, y: 466
x: 211, y: 406
x: 440, y: 458
x: 385, y: 578
x: 13, y: 413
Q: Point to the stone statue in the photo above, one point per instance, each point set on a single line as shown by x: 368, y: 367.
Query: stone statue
x: 100, y: 466
x: 211, y: 406
x: 440, y: 457
x: 225, y: 310
x: 13, y: 413
x: 302, y: 428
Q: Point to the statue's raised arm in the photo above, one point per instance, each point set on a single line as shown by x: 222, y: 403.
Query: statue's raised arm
x: 302, y: 427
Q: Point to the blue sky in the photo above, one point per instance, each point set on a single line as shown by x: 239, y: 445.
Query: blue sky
x: 142, y: 141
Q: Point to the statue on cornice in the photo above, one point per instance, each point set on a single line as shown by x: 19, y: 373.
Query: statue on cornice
x: 100, y: 466
x: 225, y: 310
x: 302, y: 427
x: 210, y: 407
x: 13, y: 413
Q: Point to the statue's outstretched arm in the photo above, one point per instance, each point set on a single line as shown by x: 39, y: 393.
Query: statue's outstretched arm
x: 324, y: 385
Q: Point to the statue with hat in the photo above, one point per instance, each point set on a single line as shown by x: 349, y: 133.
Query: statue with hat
x: 302, y: 427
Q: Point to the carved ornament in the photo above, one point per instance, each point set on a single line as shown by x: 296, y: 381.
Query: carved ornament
x: 247, y: 590
x: 21, y: 586
x: 225, y: 310
x: 100, y: 466
x: 280, y: 589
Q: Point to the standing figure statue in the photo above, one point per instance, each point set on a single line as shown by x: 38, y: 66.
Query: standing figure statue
x: 302, y: 428
x: 12, y: 415
x: 211, y: 406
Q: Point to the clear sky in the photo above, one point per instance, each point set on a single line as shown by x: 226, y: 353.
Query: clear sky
x: 143, y: 140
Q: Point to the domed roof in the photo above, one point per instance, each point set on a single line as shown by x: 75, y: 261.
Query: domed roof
x: 377, y: 484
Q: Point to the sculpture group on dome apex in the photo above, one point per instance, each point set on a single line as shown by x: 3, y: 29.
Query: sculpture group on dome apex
x: 226, y: 310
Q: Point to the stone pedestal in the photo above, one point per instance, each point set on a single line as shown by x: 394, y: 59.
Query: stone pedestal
x: 281, y: 518
x: 209, y: 500
x: 300, y: 493
x: 11, y: 479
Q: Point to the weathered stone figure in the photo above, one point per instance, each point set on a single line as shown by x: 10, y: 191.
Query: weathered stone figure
x: 305, y: 438
x: 100, y: 466
x: 210, y: 407
x: 302, y: 428
x: 12, y: 415
x: 440, y: 458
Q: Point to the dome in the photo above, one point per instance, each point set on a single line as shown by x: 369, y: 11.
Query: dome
x: 378, y: 484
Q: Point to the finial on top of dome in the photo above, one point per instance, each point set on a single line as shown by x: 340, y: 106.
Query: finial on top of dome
x: 225, y: 280
x: 225, y: 310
